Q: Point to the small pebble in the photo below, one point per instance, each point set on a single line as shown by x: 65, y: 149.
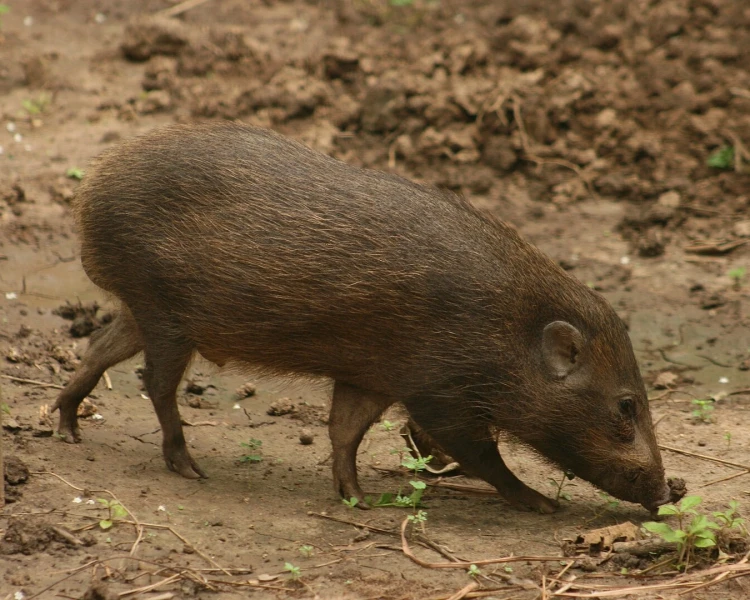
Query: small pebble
x: 306, y: 437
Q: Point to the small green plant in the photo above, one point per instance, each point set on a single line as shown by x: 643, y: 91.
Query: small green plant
x: 4, y: 9
x: 36, y: 106
x: 5, y: 408
x: 292, y: 570
x: 702, y: 411
x: 387, y: 425
x: 723, y: 158
x: 737, y: 275
x: 253, y: 447
x: 401, y: 2
x: 728, y: 438
x: 611, y: 503
x: 351, y: 503
x: 729, y: 518
x: 419, y: 518
x: 306, y: 551
x: 567, y: 476
x: 115, y: 510
x: 74, y: 173
x: 697, y: 533
x: 508, y: 569
x: 474, y: 571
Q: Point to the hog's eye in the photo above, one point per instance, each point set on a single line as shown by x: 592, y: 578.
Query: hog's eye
x: 627, y: 407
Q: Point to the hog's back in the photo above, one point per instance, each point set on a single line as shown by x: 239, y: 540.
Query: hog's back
x: 259, y: 250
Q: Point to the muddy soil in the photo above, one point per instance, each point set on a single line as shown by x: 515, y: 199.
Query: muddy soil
x: 614, y: 135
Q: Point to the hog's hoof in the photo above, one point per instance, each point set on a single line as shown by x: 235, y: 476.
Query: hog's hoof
x: 352, y: 495
x: 529, y: 499
x: 69, y: 433
x: 180, y: 461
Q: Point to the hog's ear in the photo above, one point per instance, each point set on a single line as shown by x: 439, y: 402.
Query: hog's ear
x: 561, y: 348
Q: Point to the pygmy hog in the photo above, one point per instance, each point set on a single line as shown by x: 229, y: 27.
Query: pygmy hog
x: 253, y: 250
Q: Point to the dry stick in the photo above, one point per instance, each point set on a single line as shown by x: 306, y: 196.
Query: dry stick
x: 542, y: 161
x: 180, y: 8
x: 153, y: 586
x: 466, y: 564
x: 460, y: 594
x: 705, y: 457
x: 140, y: 526
x: 727, y: 478
x: 31, y: 382
x: 360, y: 525
x: 107, y: 380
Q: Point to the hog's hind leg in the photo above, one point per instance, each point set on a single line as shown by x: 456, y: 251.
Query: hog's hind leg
x: 114, y: 343
x: 353, y: 411
x: 166, y: 358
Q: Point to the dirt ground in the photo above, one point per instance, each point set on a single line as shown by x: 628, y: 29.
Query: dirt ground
x: 588, y: 125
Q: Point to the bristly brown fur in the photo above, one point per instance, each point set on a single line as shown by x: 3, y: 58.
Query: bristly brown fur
x: 251, y: 249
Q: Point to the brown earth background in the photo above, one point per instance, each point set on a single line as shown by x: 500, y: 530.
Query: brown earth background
x: 600, y: 129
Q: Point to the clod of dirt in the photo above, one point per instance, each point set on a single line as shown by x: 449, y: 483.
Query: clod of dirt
x: 741, y: 229
x: 148, y: 37
x: 84, y: 317
x: 87, y: 409
x: 195, y: 387
x: 306, y: 437
x: 30, y: 537
x: 16, y: 472
x: 712, y: 300
x: 651, y: 244
x: 246, y: 390
x: 677, y: 488
x: 11, y: 424
x: 99, y: 591
x: 596, y: 541
x: 665, y: 380
x: 283, y: 406
x: 340, y: 64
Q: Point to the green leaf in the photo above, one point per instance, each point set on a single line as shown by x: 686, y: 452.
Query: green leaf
x: 689, y: 502
x: 118, y: 512
x: 418, y: 485
x: 723, y: 158
x: 103, y: 501
x: 668, y: 509
x: 4, y: 8
x: 74, y: 173
x: 105, y: 524
x: 704, y: 543
x: 657, y: 528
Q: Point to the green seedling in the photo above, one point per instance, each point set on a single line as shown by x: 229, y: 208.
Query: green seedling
x: 729, y: 518
x: 115, y: 510
x: 388, y: 426
x: 74, y: 173
x: 723, y: 158
x: 4, y: 9
x: 728, y: 438
x: 252, y: 456
x: 36, y: 106
x: 474, y: 571
x: 508, y: 569
x: 5, y: 408
x: 351, y: 503
x: 292, y: 570
x: 567, y: 475
x: 306, y: 551
x: 689, y: 536
x: 702, y: 411
x: 737, y: 275
x: 611, y: 503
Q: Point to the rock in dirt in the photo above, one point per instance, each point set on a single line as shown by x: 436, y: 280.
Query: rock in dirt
x: 148, y: 37
x: 677, y: 488
x: 281, y: 407
x: 246, y: 390
x: 99, y: 591
x: 306, y: 437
